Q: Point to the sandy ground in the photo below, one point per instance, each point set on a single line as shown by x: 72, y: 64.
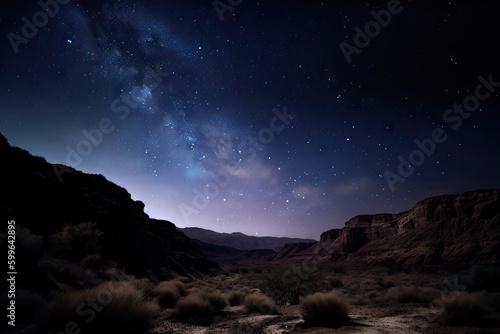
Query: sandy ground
x: 370, y: 319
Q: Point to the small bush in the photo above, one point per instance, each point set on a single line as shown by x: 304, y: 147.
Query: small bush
x: 324, y: 310
x: 174, y: 284
x: 236, y: 298
x: 411, y: 294
x: 116, y: 307
x: 194, y: 309
x: 285, y: 286
x: 259, y: 303
x: 216, y: 299
x: 466, y: 310
x: 69, y: 273
x: 167, y: 295
x: 74, y: 241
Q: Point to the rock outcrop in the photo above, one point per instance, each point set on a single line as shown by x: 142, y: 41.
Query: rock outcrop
x: 44, y: 198
x: 443, y: 229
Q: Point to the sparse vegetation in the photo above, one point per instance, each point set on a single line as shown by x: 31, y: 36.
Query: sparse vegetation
x: 74, y: 241
x: 288, y: 285
x: 194, y: 309
x: 117, y: 307
x: 324, y: 310
x: 166, y: 293
x: 236, y: 298
x: 200, y: 307
x: 216, y: 299
x: 411, y: 294
x: 466, y: 310
x: 259, y: 303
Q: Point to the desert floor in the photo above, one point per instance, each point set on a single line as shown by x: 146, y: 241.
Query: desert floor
x: 371, y: 307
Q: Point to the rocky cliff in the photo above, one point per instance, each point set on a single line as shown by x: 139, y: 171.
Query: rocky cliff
x: 87, y: 227
x: 443, y: 229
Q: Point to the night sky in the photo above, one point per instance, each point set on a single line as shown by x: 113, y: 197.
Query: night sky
x: 264, y: 117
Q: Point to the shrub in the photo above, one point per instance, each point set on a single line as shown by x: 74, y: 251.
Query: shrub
x: 236, y: 298
x: 466, y: 310
x: 194, y: 309
x: 110, y: 307
x: 216, y: 299
x: 69, y: 273
x: 411, y: 294
x: 324, y: 310
x: 286, y: 286
x: 180, y: 286
x: 167, y: 295
x: 74, y: 241
x: 259, y: 303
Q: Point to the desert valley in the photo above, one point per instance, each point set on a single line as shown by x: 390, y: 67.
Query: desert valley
x: 89, y: 260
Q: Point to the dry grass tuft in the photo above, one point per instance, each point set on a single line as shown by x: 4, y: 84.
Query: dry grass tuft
x: 259, y: 303
x: 324, y: 310
x: 236, y: 298
x: 194, y: 309
x: 110, y: 307
x: 466, y: 310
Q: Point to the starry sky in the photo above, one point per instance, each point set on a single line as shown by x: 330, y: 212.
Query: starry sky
x: 282, y: 118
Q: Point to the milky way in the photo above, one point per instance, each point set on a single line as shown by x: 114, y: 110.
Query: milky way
x: 256, y: 123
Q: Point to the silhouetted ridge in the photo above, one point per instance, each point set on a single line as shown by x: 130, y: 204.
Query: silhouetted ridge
x: 45, y: 198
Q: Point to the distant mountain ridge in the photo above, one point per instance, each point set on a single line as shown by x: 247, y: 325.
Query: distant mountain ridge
x: 239, y: 240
